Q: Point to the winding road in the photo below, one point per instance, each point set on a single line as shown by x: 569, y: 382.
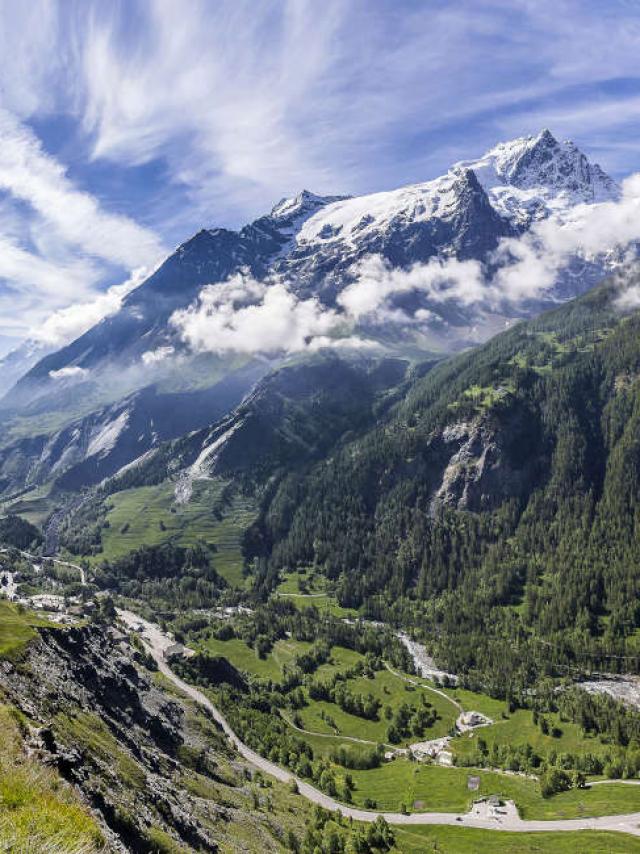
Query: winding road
x: 481, y: 816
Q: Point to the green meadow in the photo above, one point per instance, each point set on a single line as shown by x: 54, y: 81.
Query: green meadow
x: 149, y: 515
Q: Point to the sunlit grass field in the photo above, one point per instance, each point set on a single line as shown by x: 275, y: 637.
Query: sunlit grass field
x: 464, y: 840
x: 17, y: 628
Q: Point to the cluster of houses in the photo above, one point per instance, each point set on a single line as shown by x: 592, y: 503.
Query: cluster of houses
x: 436, y: 750
x: 65, y: 608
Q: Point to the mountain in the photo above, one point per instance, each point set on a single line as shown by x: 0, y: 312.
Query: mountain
x: 19, y: 361
x: 294, y: 415
x: 82, y: 413
x: 489, y: 498
x: 314, y: 244
x: 98, y: 756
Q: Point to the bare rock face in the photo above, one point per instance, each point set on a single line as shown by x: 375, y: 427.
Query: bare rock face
x: 479, y: 470
x: 136, y: 753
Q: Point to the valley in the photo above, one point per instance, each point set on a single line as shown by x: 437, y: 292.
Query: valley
x: 374, y: 590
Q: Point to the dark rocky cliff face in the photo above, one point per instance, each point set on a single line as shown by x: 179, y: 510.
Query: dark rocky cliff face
x: 480, y: 465
x: 153, y: 768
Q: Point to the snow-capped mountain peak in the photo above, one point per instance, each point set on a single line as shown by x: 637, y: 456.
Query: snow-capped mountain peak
x: 315, y: 243
x: 524, y: 179
x: 553, y: 169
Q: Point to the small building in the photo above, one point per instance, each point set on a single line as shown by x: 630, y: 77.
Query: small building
x: 177, y: 650
x: 48, y: 602
x: 423, y: 751
x: 473, y: 782
x: 470, y: 720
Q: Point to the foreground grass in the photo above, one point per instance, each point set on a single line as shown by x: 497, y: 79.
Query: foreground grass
x: 464, y: 840
x: 38, y: 811
x: 88, y: 730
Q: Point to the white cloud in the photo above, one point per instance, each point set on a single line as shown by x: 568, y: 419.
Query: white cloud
x: 69, y: 323
x: 31, y: 175
x: 57, y: 244
x: 531, y: 264
x: 442, y: 280
x: 527, y: 267
x: 160, y: 354
x: 42, y: 277
x: 72, y: 372
x: 629, y: 298
x: 250, y: 101
x: 250, y: 316
x: 247, y: 316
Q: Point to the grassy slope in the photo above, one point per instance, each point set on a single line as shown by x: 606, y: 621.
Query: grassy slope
x: 305, y: 590
x: 519, y: 728
x: 391, y: 691
x: 445, y: 790
x: 17, y: 628
x: 439, y: 789
x: 245, y: 658
x: 38, y: 811
x: 152, y: 518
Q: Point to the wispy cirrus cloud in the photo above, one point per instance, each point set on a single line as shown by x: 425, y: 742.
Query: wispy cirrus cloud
x: 32, y: 176
x: 58, y: 244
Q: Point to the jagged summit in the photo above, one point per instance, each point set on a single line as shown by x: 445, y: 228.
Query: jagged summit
x: 524, y: 179
x: 546, y: 165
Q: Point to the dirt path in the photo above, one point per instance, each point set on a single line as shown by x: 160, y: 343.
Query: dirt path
x: 417, y: 682
x: 481, y: 816
x: 339, y: 737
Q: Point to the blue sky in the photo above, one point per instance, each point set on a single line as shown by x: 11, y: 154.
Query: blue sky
x: 126, y: 126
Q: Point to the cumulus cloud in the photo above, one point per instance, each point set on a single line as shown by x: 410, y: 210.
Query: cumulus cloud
x: 530, y: 264
x: 522, y: 268
x: 376, y: 281
x: 248, y: 316
x: 71, y: 372
x: 629, y: 298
